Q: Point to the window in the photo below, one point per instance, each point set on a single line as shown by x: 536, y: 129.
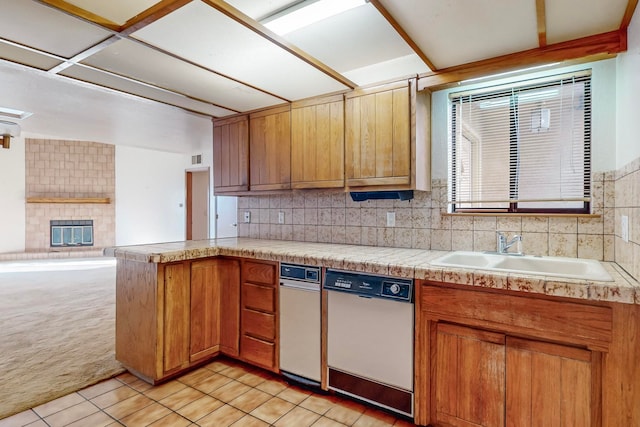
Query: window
x: 522, y: 148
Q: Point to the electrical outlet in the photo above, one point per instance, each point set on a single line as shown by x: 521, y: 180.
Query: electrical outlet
x: 624, y: 225
x: 391, y: 219
x: 247, y: 216
x: 280, y: 217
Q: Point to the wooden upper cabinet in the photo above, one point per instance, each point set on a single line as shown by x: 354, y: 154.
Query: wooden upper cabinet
x: 387, y: 137
x: 317, y: 143
x: 270, y: 149
x: 231, y: 155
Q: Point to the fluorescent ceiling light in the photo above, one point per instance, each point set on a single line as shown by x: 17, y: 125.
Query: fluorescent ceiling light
x: 13, y: 113
x: 308, y: 13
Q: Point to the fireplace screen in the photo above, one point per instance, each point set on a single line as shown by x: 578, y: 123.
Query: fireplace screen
x: 72, y: 233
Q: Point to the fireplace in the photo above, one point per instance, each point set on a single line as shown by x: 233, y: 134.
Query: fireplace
x: 71, y: 233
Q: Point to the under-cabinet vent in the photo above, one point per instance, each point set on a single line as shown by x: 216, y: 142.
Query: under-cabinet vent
x: 196, y: 160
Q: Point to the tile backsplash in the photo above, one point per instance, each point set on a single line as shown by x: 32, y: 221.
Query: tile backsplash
x: 627, y: 203
x: 331, y: 216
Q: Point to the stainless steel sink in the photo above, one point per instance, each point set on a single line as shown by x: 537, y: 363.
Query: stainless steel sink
x: 573, y: 268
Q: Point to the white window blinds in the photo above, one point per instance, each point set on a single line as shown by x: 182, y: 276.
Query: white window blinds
x: 522, y: 148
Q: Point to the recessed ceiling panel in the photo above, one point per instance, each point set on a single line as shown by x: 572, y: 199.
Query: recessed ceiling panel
x: 396, y: 68
x: 129, y: 58
x: 573, y: 19
x: 111, y: 81
x: 28, y: 57
x: 457, y: 32
x: 118, y: 11
x: 365, y: 39
x: 41, y: 27
x: 205, y: 36
x: 259, y: 10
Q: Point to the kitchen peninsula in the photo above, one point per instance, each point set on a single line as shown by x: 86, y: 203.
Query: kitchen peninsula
x: 180, y: 304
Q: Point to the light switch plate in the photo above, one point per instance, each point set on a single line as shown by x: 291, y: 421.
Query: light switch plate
x: 247, y: 216
x: 280, y: 217
x: 624, y: 226
x: 391, y: 219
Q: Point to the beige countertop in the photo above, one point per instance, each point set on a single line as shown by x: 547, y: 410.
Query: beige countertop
x: 399, y: 262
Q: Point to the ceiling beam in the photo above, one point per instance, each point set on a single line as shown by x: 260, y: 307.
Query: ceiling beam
x: 151, y: 15
x: 542, y: 23
x: 147, y: 17
x: 233, y: 13
x: 391, y: 20
x: 588, y: 48
x: 628, y: 14
x: 82, y: 13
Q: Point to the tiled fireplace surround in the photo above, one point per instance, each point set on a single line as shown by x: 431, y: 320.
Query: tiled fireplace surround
x: 68, y: 169
x: 331, y: 216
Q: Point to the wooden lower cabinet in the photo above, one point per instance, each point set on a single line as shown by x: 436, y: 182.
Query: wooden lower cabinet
x: 215, y: 285
x: 470, y: 377
x: 488, y: 379
x: 259, y: 322
x: 171, y: 316
x: 491, y: 359
x: 550, y: 384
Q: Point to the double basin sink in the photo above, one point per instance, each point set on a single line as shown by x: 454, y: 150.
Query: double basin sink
x: 573, y: 268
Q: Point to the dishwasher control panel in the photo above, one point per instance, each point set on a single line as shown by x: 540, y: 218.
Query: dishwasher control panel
x: 368, y: 285
x: 304, y: 273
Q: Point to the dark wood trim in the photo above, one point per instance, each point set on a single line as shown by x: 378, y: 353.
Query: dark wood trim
x: 82, y: 13
x: 586, y: 49
x: 628, y: 14
x: 396, y: 26
x: 151, y: 15
x: 189, y: 208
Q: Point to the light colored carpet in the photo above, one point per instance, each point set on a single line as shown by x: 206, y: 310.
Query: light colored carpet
x: 57, y: 329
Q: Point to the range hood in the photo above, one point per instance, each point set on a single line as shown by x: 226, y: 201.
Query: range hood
x: 361, y: 196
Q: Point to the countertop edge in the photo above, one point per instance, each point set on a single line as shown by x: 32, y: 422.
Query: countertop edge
x: 399, y: 262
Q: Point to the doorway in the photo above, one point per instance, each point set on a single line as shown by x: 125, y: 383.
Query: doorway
x: 197, y: 205
x: 226, y: 216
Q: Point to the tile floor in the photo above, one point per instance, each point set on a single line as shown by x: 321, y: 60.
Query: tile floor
x: 222, y: 393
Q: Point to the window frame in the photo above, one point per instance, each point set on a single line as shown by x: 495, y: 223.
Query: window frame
x: 513, y: 208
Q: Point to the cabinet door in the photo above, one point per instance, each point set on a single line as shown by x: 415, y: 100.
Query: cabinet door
x: 317, y: 143
x: 176, y: 317
x: 270, y: 149
x: 549, y: 385
x: 231, y: 155
x: 229, y: 279
x: 378, y: 140
x: 470, y: 377
x: 205, y: 309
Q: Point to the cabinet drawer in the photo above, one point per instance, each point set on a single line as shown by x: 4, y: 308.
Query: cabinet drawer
x: 568, y: 322
x: 258, y: 272
x: 261, y: 298
x: 257, y: 351
x: 258, y: 324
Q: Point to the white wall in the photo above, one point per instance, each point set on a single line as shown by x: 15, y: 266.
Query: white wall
x: 12, y: 197
x: 150, y: 196
x: 628, y: 97
x: 603, y: 133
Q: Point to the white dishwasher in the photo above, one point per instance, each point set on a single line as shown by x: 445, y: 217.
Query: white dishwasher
x: 300, y: 323
x: 370, y: 338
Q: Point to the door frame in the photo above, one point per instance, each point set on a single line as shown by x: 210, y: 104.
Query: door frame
x: 189, y: 200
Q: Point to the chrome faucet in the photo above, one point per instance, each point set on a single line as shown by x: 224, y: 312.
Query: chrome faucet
x: 503, y: 245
